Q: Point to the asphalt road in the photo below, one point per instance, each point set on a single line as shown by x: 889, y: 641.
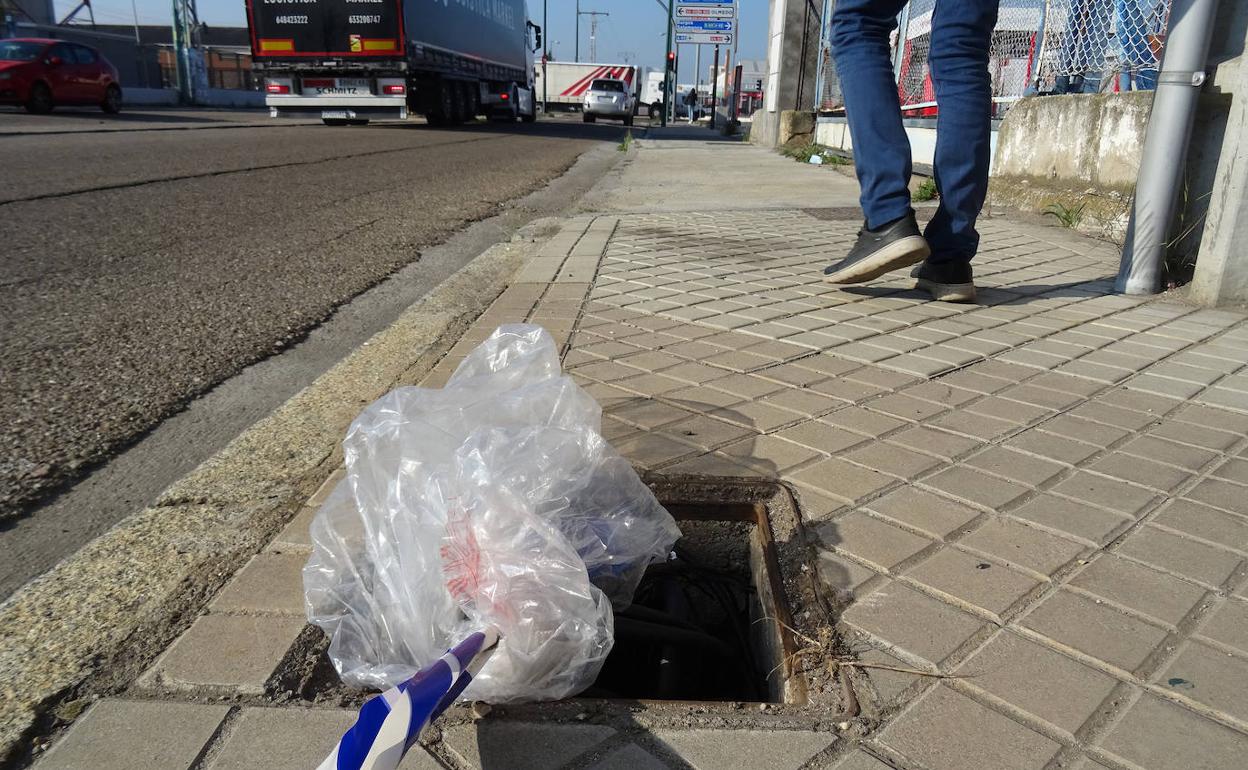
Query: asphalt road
x: 141, y: 268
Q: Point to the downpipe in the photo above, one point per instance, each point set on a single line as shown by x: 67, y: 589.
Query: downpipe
x: 1165, y: 146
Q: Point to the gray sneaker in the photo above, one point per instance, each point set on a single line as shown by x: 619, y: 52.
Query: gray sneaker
x: 948, y: 282
x: 892, y: 247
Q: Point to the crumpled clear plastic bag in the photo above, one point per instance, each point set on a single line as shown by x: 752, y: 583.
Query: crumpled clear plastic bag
x: 493, y: 501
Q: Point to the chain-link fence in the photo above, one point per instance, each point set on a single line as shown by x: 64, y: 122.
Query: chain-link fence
x: 1038, y: 46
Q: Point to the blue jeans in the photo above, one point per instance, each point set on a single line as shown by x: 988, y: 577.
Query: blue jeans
x: 958, y: 60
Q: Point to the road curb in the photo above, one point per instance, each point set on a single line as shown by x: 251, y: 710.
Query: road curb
x: 91, y: 624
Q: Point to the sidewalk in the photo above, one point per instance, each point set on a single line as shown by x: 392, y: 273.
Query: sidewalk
x: 1040, y: 501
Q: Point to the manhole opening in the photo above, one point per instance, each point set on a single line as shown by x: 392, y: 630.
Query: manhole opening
x: 711, y: 623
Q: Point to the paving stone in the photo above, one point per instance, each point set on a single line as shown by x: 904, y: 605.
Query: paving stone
x: 1095, y: 629
x: 845, y: 390
x: 871, y: 540
x: 1181, y: 555
x: 891, y: 459
x: 935, y: 515
x: 1015, y: 466
x: 293, y: 739
x: 768, y: 454
x: 1221, y: 494
x: 970, y: 735
x: 711, y: 464
x: 920, y: 625
x: 648, y: 413
x: 119, y: 734
x: 1038, y: 680
x: 757, y: 415
x: 1010, y: 411
x: 975, y: 425
x: 821, y: 436
x: 1024, y: 546
x: 1188, y: 457
x: 630, y: 757
x: 1229, y: 625
x: 1044, y: 397
x: 296, y: 534
x: 1087, y: 431
x: 906, y: 407
x: 1138, y: 470
x: 861, y: 760
x: 521, y: 745
x: 842, y: 575
x: 1201, y: 521
x: 862, y: 421
x: 746, y: 385
x: 718, y: 749
x: 841, y: 479
x: 946, y: 446
x: 891, y: 684
x: 1070, y: 517
x: 649, y: 450
x: 270, y: 583
x: 1235, y: 469
x: 1160, y: 735
x: 1139, y: 588
x: 1107, y: 493
x: 226, y: 651
x: 1211, y: 417
x: 1201, y: 436
x: 1210, y: 677
x: 707, y: 432
x: 990, y: 587
x: 805, y: 402
x: 976, y: 487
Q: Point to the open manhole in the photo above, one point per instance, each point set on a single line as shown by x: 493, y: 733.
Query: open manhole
x: 711, y: 623
x: 739, y: 617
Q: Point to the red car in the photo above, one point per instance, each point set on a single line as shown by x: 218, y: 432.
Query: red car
x: 39, y: 74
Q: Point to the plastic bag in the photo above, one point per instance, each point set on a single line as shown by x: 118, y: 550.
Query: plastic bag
x: 491, y: 502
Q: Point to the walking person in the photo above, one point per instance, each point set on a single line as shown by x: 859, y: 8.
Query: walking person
x: 961, y: 31
x: 691, y: 103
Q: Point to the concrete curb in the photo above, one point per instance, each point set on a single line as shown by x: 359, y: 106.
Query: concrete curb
x: 92, y: 623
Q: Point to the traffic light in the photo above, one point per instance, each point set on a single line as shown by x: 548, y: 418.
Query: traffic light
x: 671, y: 60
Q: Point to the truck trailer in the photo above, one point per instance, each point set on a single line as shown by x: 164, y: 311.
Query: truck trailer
x: 351, y: 61
x: 564, y: 84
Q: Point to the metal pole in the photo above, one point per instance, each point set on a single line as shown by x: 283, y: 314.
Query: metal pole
x: 715, y: 89
x: 1165, y: 145
x: 578, y: 31
x: 667, y: 73
x: 545, y: 57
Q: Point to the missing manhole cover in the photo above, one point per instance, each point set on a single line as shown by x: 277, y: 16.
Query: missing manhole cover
x: 710, y: 623
x: 744, y: 532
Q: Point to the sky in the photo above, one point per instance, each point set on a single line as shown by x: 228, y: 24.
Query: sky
x: 633, y: 31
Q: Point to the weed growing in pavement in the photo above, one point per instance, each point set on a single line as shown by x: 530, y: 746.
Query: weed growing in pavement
x: 804, y: 153
x: 926, y: 190
x: 1067, y: 216
x: 627, y: 143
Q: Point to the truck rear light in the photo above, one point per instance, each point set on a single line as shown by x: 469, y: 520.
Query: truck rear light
x: 395, y: 90
x: 277, y: 88
x: 504, y: 97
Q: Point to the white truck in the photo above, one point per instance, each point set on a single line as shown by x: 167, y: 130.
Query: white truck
x: 350, y: 61
x: 563, y: 85
x: 652, y: 93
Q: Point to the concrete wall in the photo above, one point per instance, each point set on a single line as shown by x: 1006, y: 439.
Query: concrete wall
x: 792, y: 65
x: 834, y: 132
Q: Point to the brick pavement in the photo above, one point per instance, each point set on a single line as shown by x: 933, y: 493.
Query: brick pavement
x: 1040, y: 501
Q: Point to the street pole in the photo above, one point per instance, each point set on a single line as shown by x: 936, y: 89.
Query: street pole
x: 545, y: 57
x: 578, y: 31
x: 715, y: 89
x: 667, y: 73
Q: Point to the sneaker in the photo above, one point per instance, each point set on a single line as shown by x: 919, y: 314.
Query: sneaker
x: 948, y: 282
x: 892, y: 247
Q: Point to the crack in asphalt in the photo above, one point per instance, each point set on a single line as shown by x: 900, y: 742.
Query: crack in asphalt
x: 227, y: 172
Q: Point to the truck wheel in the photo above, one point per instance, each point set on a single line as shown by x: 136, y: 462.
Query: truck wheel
x: 444, y: 112
x: 458, y: 111
x: 587, y: 118
x: 656, y: 110
x: 334, y: 121
x: 358, y: 122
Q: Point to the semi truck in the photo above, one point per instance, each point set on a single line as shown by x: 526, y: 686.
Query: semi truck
x: 563, y: 85
x: 352, y: 61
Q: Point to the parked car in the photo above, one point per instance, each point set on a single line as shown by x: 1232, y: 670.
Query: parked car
x: 609, y: 98
x: 40, y: 74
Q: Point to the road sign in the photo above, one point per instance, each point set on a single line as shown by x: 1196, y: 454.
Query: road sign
x: 704, y: 38
x: 710, y: 12
x: 706, y: 25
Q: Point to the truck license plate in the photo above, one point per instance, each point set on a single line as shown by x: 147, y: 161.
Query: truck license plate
x: 335, y: 115
x: 338, y: 87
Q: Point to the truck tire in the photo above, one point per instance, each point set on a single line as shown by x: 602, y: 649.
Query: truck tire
x: 334, y: 121
x: 443, y: 112
x: 656, y: 110
x: 587, y: 118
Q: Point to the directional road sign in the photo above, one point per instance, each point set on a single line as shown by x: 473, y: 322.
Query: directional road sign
x: 704, y: 38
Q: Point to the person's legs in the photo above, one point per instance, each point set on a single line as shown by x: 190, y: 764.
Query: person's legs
x: 961, y: 34
x: 891, y: 239
x: 860, y: 30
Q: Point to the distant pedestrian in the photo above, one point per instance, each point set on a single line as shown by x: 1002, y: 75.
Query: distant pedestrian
x: 691, y: 102
x: 961, y: 31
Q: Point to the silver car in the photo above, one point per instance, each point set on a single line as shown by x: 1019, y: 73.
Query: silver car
x: 609, y: 98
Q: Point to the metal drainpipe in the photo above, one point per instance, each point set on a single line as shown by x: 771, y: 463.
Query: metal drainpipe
x: 1165, y: 145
